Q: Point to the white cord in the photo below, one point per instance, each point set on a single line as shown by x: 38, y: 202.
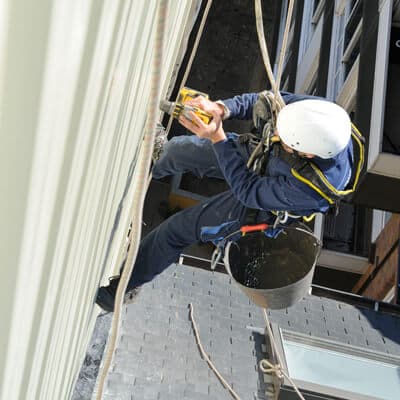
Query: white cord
x: 139, y: 194
x: 284, y: 44
x: 191, y: 58
x: 207, y: 358
x: 145, y: 163
x: 267, y: 367
x: 264, y: 52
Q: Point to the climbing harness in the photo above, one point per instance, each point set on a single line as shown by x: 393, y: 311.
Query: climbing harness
x: 301, y: 168
x: 265, y: 113
x: 308, y: 172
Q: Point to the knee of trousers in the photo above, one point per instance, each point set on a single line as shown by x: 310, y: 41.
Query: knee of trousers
x: 181, y: 146
x: 179, y: 231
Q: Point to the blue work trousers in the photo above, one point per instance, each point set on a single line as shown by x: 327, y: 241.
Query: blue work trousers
x: 162, y: 246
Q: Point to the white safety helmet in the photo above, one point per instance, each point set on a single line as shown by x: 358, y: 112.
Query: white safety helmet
x: 315, y: 127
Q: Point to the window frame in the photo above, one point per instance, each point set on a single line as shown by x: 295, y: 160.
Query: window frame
x: 325, y: 344
x: 318, y: 12
x: 340, y: 73
x: 309, y: 25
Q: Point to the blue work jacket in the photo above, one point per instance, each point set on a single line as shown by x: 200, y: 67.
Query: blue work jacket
x: 278, y: 189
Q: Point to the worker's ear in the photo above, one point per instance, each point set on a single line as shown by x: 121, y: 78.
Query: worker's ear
x: 304, y: 155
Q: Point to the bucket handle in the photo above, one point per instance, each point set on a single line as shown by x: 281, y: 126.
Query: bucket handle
x: 219, y: 250
x: 252, y: 228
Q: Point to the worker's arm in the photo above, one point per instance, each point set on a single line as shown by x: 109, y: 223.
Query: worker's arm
x: 254, y: 191
x: 264, y: 192
x: 241, y: 106
x: 238, y: 107
x: 212, y: 131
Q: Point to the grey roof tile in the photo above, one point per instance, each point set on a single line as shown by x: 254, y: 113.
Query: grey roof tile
x: 165, y: 335
x: 120, y: 396
x: 119, y: 389
x: 196, y: 395
x: 158, y: 357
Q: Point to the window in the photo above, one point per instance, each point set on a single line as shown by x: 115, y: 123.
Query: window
x: 318, y: 7
x: 312, y: 90
x: 352, y: 36
x: 345, y: 49
x: 312, y: 12
x: 289, y: 50
x: 333, y: 368
x: 379, y: 220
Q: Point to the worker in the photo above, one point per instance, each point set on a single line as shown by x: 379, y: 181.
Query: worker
x: 309, y: 128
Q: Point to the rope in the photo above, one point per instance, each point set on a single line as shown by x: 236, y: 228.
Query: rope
x: 274, y: 98
x: 279, y: 102
x: 267, y: 367
x: 191, y: 58
x: 143, y: 178
x: 271, y: 368
x: 284, y: 44
x: 140, y: 192
x: 207, y: 359
x: 264, y: 52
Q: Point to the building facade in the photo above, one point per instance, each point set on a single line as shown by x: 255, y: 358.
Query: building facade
x: 75, y: 84
x: 348, y: 52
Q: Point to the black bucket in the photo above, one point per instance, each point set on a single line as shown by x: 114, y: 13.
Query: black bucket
x: 274, y: 273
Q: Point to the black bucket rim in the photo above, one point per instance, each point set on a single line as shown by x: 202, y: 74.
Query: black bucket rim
x: 295, y: 287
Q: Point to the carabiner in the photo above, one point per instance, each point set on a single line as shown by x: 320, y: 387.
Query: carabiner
x: 281, y: 218
x: 216, y: 257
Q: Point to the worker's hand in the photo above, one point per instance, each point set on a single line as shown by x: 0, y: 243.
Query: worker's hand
x: 213, y: 131
x: 207, y: 105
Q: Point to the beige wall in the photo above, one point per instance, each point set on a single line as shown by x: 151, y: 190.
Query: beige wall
x: 74, y: 84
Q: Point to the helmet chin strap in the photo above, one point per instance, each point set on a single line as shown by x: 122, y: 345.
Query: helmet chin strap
x: 297, y: 154
x: 294, y: 151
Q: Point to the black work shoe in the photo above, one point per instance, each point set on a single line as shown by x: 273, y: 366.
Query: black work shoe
x: 106, y: 294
